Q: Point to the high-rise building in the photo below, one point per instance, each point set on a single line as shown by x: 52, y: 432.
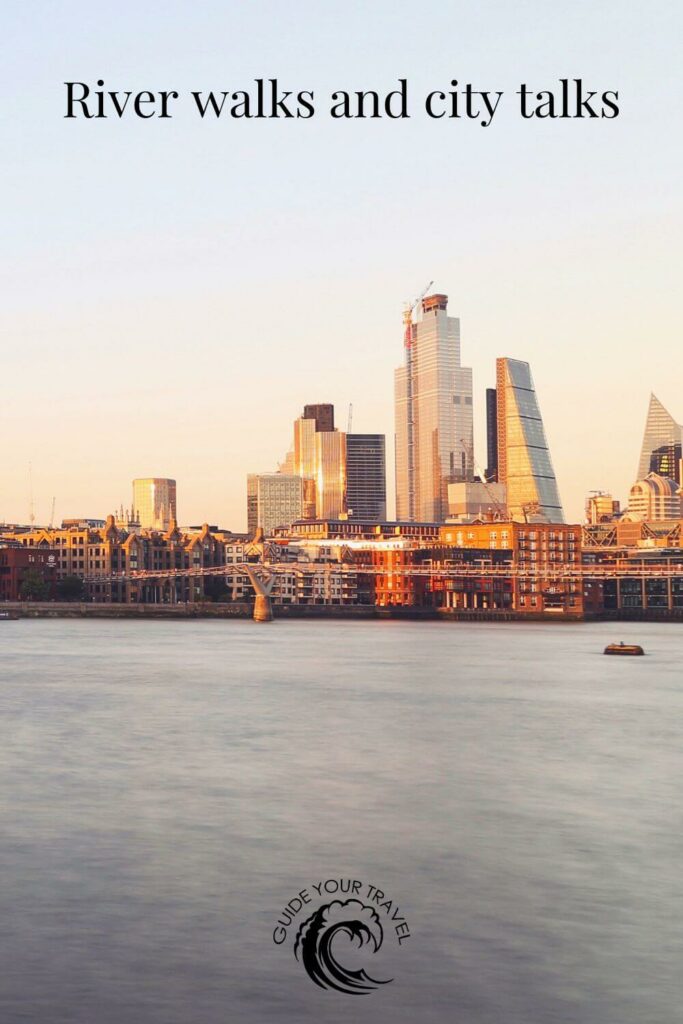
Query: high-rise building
x: 666, y: 461
x: 655, y: 498
x: 273, y: 499
x: 322, y: 413
x: 660, y: 429
x: 154, y: 502
x: 366, y: 483
x: 524, y: 463
x: 330, y: 478
x: 491, y: 435
x: 433, y: 408
x: 319, y: 458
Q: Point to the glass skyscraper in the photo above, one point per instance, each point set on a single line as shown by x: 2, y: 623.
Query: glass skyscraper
x: 366, y: 487
x: 154, y: 502
x: 660, y: 429
x: 433, y: 410
x: 524, y: 463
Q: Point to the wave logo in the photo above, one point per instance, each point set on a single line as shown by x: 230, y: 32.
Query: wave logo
x: 313, y: 947
x: 334, y: 942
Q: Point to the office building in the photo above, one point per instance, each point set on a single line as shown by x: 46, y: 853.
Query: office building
x: 330, y: 474
x: 524, y: 463
x: 666, y: 461
x: 433, y: 411
x: 601, y: 508
x: 319, y: 458
x: 476, y: 500
x: 366, y: 484
x: 154, y: 502
x: 655, y: 498
x: 491, y: 435
x: 273, y: 499
x: 661, y: 430
x: 323, y: 414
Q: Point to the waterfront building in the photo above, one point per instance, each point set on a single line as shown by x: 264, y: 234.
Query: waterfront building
x: 601, y: 508
x: 18, y: 562
x: 273, y: 499
x: 476, y: 500
x: 524, y: 463
x: 154, y: 502
x: 433, y: 413
x: 541, y: 547
x: 661, y: 429
x: 491, y: 435
x: 654, y: 498
x: 366, y: 482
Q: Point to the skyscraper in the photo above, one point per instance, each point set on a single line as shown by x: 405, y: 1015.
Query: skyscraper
x: 491, y: 435
x: 660, y: 429
x: 433, y: 409
x: 154, y: 502
x: 273, y: 499
x: 366, y: 486
x: 524, y: 463
x: 319, y: 458
x: 330, y: 478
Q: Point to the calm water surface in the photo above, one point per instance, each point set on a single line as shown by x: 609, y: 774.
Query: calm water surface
x: 168, y: 787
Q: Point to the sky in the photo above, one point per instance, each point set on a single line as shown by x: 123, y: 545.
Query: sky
x: 174, y: 291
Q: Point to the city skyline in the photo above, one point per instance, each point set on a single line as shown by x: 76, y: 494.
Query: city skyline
x: 179, y: 282
x: 657, y: 414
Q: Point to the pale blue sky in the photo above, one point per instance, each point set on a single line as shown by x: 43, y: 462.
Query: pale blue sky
x: 174, y: 291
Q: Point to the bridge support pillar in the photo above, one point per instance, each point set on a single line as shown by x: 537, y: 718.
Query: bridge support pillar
x: 263, y: 606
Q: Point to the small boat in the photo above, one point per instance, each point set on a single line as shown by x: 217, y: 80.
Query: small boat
x: 623, y: 648
x: 8, y: 615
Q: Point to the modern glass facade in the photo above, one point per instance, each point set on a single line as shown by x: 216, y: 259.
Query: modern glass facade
x: 433, y: 411
x: 273, y: 499
x: 330, y: 478
x: 154, y: 502
x: 491, y: 435
x: 524, y: 463
x: 666, y: 461
x: 366, y: 486
x: 660, y: 429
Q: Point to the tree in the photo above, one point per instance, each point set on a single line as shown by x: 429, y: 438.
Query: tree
x: 70, y: 588
x: 33, y: 586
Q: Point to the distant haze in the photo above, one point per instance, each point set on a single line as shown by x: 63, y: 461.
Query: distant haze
x: 175, y: 291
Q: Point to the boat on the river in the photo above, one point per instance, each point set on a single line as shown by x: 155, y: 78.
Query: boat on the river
x: 622, y: 648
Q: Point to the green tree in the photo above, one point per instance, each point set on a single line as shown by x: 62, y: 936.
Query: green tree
x: 33, y: 586
x: 70, y: 588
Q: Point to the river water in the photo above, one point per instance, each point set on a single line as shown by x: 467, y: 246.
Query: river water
x: 168, y: 787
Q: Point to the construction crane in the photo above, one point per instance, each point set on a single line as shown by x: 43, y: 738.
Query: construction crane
x: 350, y: 420
x: 408, y: 308
x: 31, y: 506
x: 52, y: 513
x: 499, y: 508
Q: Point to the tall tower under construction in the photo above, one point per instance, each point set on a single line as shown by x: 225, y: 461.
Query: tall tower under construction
x: 433, y: 411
